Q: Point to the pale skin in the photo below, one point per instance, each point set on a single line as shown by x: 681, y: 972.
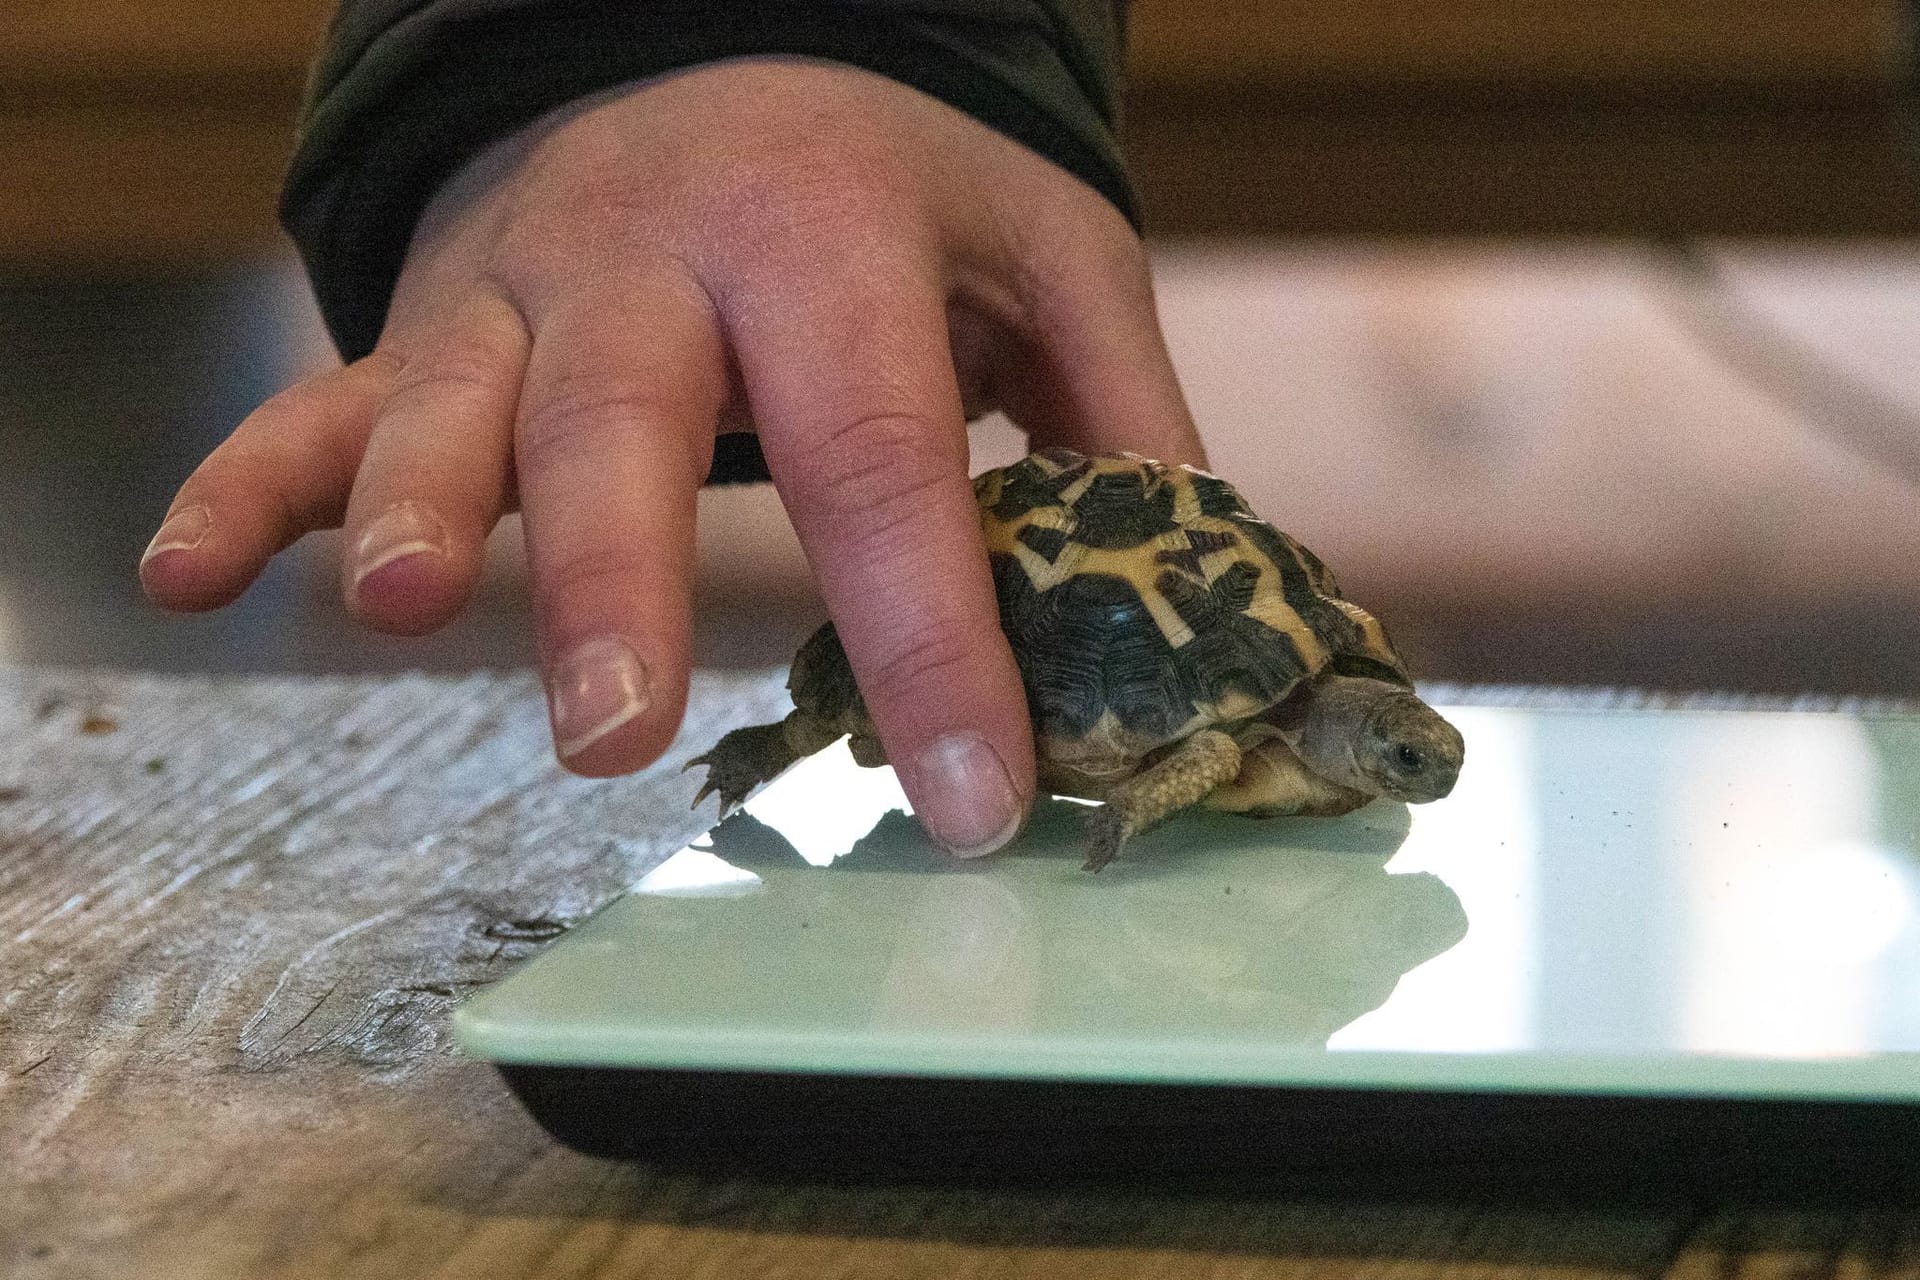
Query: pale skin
x: 849, y: 267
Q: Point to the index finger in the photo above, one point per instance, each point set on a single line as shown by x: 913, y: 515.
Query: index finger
x: 852, y: 384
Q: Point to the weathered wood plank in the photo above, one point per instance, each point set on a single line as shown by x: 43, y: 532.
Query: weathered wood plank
x: 234, y: 915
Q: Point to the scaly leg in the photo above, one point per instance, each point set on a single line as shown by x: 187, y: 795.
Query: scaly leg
x: 745, y: 758
x: 1185, y: 777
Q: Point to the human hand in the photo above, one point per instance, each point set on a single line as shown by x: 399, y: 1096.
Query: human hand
x: 849, y: 266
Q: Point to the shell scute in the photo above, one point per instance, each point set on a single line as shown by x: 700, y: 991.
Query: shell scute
x: 1144, y: 601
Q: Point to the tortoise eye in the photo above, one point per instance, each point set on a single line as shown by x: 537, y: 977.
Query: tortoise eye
x: 1407, y: 757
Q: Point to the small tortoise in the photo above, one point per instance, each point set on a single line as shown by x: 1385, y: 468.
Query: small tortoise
x: 1176, y: 649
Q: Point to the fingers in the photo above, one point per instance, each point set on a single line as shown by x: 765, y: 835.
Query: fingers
x: 860, y: 418
x: 1099, y: 378
x: 615, y: 433
x: 433, y: 480
x: 286, y: 470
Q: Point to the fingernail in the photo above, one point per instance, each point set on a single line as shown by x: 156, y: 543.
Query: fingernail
x: 968, y: 801
x: 594, y: 690
x: 184, y: 530
x: 402, y: 530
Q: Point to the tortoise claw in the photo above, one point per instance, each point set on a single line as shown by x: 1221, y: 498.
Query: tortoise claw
x: 741, y: 761
x: 1106, y: 832
x: 708, y: 787
x: 728, y: 801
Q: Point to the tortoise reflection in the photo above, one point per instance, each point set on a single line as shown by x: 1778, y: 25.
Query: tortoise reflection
x: 1213, y: 924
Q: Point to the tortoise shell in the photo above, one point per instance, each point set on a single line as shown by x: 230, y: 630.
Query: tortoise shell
x: 1144, y: 603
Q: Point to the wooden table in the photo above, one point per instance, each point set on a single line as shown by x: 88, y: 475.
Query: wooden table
x: 234, y: 915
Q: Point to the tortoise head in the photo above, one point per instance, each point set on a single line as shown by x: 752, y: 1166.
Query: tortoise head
x: 1406, y: 750
x: 1372, y: 735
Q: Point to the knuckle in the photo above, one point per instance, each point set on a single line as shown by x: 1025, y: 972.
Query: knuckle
x: 870, y: 475
x: 303, y: 402
x: 779, y: 206
x: 1122, y: 257
x: 932, y: 656
x: 315, y: 406
x: 1059, y: 269
x: 786, y: 168
x: 582, y: 235
x: 1115, y: 267
x: 291, y: 475
x: 381, y: 365
x: 577, y: 412
x: 588, y: 573
x: 464, y: 370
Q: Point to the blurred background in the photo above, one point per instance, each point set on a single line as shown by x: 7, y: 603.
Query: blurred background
x: 1580, y: 336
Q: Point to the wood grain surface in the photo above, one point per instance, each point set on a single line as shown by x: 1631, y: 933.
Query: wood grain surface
x: 234, y: 915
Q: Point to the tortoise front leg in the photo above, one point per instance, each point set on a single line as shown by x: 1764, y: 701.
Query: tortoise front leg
x: 868, y: 752
x: 1185, y: 777
x: 745, y: 758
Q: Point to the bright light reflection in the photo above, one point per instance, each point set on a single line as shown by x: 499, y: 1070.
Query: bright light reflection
x: 1482, y: 841
x: 1844, y: 902
x: 823, y: 804
x: 1753, y: 861
x: 1794, y: 902
x: 697, y: 873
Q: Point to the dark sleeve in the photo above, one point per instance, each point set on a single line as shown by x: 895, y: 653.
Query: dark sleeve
x: 405, y: 92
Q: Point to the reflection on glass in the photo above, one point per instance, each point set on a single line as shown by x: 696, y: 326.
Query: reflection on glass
x: 1617, y: 898
x: 1483, y: 842
x: 825, y: 803
x: 1215, y: 924
x: 695, y: 872
x: 1796, y: 905
x: 970, y: 958
x: 1714, y: 883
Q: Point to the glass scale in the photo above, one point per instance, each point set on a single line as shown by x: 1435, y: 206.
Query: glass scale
x: 1719, y: 908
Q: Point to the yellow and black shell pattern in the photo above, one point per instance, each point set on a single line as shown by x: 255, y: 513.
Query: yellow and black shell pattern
x: 1145, y: 602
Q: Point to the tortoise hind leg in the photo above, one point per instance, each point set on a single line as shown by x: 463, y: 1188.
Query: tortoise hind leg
x: 1185, y: 777
x: 745, y: 758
